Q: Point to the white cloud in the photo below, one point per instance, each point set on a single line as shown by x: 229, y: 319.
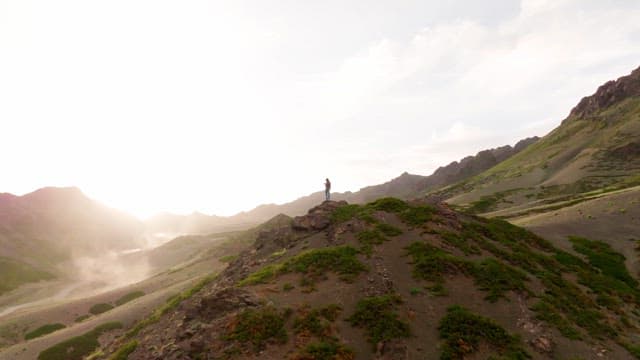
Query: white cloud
x: 216, y: 106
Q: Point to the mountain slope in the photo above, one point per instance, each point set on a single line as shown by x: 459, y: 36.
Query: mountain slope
x: 597, y: 148
x: 396, y: 280
x: 48, y: 226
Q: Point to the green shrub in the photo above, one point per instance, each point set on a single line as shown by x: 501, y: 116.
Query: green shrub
x: 601, y: 256
x: 43, y: 330
x: 287, y: 287
x: 497, y: 278
x: 417, y: 215
x: 124, y: 351
x: 388, y: 230
x: 432, y: 263
x: 260, y: 327
x: 325, y: 350
x: 263, y: 275
x: 463, y: 332
x: 377, y: 316
x: 82, y: 318
x: 340, y: 259
x: 368, y: 238
x: 460, y: 241
x: 389, y: 204
x: 78, y: 347
x: 316, y: 321
x: 100, y: 308
x: 345, y: 213
x: 129, y: 297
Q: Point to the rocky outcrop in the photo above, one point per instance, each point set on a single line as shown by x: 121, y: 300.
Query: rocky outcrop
x: 608, y: 94
x: 318, y: 218
x: 220, y: 303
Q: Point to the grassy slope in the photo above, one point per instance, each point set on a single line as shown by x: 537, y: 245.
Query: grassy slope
x: 14, y: 273
x: 573, y: 159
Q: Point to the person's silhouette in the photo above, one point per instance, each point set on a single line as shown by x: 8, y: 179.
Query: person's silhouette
x: 327, y: 189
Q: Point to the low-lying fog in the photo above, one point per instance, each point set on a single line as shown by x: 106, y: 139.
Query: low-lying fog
x: 86, y: 275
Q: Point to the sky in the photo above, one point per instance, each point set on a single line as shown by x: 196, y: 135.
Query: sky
x: 218, y: 106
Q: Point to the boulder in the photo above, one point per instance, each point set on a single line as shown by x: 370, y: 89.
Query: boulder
x: 318, y: 218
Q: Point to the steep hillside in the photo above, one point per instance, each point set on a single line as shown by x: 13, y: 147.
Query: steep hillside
x: 405, y: 186
x: 595, y: 150
x: 48, y: 226
x: 397, y: 280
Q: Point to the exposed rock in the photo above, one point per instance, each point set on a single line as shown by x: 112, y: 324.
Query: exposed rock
x: 608, y: 94
x: 318, y: 218
x: 221, y: 302
x: 543, y: 345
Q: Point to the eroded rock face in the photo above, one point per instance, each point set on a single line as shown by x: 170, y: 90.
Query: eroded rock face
x: 318, y: 218
x: 608, y: 94
x: 221, y: 302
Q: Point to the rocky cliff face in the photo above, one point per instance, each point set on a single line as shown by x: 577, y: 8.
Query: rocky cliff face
x: 607, y: 95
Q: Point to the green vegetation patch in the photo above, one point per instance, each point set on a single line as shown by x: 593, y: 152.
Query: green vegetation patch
x: 564, y: 305
x: 325, y: 350
x: 342, y: 260
x: 463, y: 332
x: 228, y: 258
x: 414, y: 215
x: 100, y: 308
x: 497, y: 278
x: 14, y: 273
x: 82, y: 318
x: 369, y: 238
x: 124, y: 351
x: 388, y: 230
x: 460, y: 241
x: 432, y: 263
x: 378, y: 317
x: 316, y: 321
x: 78, y: 347
x: 417, y: 215
x: 389, y: 204
x: 601, y: 256
x: 260, y: 327
x: 346, y: 213
x: 43, y: 330
x: 129, y: 297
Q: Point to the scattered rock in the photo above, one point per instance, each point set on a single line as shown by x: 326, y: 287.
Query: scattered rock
x: 543, y: 345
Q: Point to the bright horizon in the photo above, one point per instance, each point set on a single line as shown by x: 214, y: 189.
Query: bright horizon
x: 220, y: 106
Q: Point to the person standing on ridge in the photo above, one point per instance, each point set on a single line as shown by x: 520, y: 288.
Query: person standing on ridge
x: 327, y: 189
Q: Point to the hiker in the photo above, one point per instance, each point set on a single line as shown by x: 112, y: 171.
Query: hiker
x: 327, y: 189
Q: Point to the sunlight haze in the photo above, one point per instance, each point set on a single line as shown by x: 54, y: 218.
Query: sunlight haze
x: 219, y: 106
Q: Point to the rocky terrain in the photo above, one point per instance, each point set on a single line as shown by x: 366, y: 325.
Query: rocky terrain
x: 398, y: 280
